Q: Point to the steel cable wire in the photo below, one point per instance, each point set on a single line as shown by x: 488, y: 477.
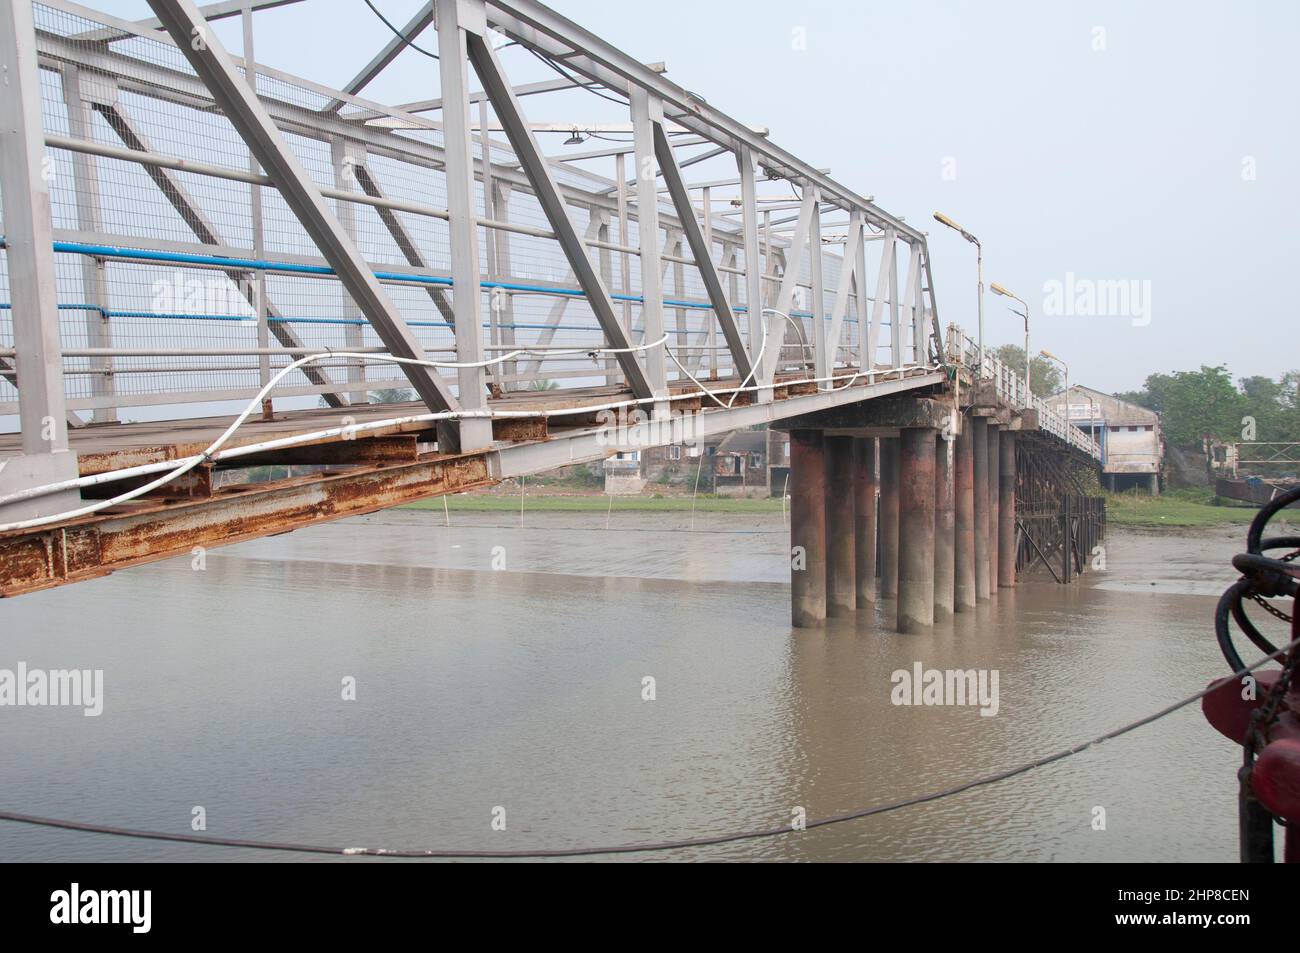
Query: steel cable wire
x: 649, y: 847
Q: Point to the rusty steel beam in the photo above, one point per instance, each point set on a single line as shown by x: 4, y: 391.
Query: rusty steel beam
x: 149, y: 531
x: 399, y: 448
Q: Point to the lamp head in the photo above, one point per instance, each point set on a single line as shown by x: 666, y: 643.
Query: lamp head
x: 945, y: 220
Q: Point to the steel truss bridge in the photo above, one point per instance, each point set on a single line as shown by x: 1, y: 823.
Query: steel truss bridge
x: 190, y: 234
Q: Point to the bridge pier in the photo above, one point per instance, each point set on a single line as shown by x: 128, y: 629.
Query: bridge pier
x: 807, y: 528
x: 888, y: 526
x: 916, y: 498
x: 980, y: 469
x: 1007, y: 511
x: 945, y: 542
x: 841, y: 584
x: 995, y: 483
x: 964, y: 519
x: 864, y: 519
x: 944, y: 532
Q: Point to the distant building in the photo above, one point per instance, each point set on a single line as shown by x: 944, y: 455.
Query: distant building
x: 1131, y: 438
x: 623, y: 474
x: 676, y: 462
x: 740, y: 463
x: 778, y: 462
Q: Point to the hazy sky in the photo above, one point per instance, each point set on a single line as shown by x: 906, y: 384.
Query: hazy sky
x: 1151, y: 142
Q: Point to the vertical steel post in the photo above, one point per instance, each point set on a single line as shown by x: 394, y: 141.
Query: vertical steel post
x: 980, y: 453
x: 645, y: 112
x: 255, y: 215
x: 600, y: 219
x: 889, y: 474
x: 29, y: 237
x: 681, y: 340
x: 624, y: 261
x: 821, y: 352
x: 453, y: 71
x: 864, y: 518
x: 347, y: 155
x: 945, y: 541
x: 807, y: 528
x: 895, y: 315
x: 711, y: 336
x: 1067, y: 545
x: 841, y: 590
x: 753, y: 262
x: 916, y: 529
x: 489, y: 192
x: 1007, y: 511
x: 866, y: 361
x: 503, y: 304
x: 85, y: 177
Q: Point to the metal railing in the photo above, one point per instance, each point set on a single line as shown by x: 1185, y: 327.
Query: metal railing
x: 188, y: 268
x: 1010, y: 387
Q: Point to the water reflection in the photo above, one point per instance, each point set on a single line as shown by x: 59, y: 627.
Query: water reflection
x: 522, y: 688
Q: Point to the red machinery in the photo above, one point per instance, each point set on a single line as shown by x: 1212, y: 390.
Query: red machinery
x: 1260, y: 709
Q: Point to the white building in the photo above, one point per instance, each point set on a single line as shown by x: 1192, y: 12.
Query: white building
x: 1132, y: 442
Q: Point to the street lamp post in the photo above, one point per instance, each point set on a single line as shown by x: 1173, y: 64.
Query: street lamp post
x: 999, y: 290
x: 1065, y: 367
x: 979, y: 272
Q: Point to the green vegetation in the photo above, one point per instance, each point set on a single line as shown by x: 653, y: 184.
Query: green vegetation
x: 1044, y: 375
x: 1186, y: 508
x: 494, y: 503
x: 1193, y: 404
x: 385, y: 395
x: 1178, y: 508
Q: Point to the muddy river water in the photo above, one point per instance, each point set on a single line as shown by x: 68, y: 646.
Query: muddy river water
x: 500, y: 664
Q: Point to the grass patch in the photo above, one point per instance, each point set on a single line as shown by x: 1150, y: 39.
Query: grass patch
x: 1183, y: 507
x: 1176, y: 508
x: 475, y: 503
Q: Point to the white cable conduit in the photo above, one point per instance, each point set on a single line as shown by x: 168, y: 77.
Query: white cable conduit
x: 213, y: 452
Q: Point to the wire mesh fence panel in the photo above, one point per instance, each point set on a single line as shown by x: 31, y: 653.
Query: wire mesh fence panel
x: 168, y: 239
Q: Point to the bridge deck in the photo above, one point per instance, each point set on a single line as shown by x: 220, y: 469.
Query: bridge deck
x: 375, y: 470
x: 102, y: 448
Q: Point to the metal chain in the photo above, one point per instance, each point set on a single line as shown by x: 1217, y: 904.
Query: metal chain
x: 1268, y: 606
x: 1266, y: 714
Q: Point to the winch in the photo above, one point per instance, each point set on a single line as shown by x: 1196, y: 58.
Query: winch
x: 1261, y: 710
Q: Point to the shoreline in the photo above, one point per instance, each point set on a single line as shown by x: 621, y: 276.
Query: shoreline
x: 1172, y: 511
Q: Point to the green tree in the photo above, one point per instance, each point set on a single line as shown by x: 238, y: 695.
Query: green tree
x: 1194, y: 404
x: 1044, y: 375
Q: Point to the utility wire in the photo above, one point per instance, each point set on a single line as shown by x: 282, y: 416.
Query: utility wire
x: 651, y: 847
x: 591, y: 88
x: 399, y: 34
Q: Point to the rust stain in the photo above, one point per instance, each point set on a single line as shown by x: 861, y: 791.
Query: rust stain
x: 50, y: 557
